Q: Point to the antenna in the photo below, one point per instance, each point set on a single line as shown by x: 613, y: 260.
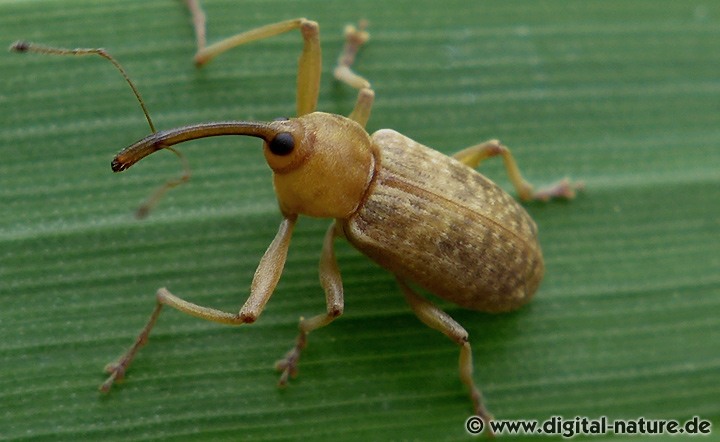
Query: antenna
x: 150, y: 202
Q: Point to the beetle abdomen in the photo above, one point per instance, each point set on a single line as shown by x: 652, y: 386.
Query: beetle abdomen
x: 430, y: 219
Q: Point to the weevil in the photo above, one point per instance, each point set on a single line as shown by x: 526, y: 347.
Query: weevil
x: 431, y: 220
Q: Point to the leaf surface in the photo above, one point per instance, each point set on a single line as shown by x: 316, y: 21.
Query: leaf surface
x: 621, y: 94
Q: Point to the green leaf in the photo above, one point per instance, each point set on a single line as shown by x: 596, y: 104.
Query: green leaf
x: 623, y: 94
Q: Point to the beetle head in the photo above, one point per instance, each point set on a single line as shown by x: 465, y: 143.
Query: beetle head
x: 322, y: 163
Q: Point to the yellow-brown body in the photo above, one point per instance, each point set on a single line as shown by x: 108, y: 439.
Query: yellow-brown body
x: 435, y: 221
x: 424, y: 216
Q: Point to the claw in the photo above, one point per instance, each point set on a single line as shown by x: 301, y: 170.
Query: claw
x: 288, y: 365
x: 563, y: 189
x: 117, y: 373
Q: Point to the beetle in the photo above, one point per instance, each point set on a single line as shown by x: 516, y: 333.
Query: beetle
x: 431, y: 220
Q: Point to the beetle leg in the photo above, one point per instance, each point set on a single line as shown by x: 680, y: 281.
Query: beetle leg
x: 309, y: 65
x: 266, y: 278
x: 437, y: 319
x: 332, y: 284
x: 363, y: 105
x: 474, y: 155
x: 198, y: 19
x: 354, y: 39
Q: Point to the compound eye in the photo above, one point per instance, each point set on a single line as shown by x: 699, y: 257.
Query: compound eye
x: 282, y: 144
